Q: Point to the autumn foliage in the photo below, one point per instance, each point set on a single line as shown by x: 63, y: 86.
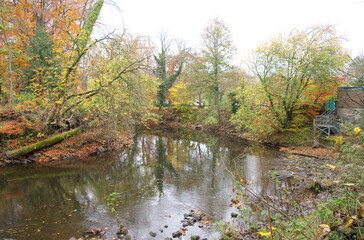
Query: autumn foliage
x: 36, y: 31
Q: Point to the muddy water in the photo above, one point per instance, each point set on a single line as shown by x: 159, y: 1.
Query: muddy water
x: 164, y: 175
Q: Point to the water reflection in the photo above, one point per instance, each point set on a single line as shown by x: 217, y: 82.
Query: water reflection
x: 163, y: 175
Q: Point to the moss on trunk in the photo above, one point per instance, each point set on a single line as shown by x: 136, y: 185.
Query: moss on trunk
x: 42, y: 144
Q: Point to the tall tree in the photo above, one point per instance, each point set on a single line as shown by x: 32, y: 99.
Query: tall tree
x: 287, y: 65
x: 122, y: 91
x: 43, y: 71
x: 82, y: 41
x: 5, y: 49
x: 355, y: 72
x: 218, y: 51
x: 42, y: 35
x: 166, y: 78
x: 197, y: 77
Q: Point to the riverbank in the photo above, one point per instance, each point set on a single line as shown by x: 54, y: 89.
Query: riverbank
x: 330, y: 170
x: 315, y: 150
x: 308, y: 182
x: 18, y: 130
x: 76, y: 147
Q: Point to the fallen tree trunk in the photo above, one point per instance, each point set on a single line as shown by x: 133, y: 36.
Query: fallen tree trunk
x: 42, y: 144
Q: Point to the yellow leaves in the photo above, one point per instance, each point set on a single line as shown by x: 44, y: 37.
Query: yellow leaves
x: 264, y: 234
x: 339, y: 141
x: 331, y: 166
x: 357, y: 131
x: 361, y: 210
x: 243, y: 181
x: 79, y: 89
x: 179, y: 93
x: 39, y: 135
x: 279, y: 65
x: 58, y: 102
x: 351, y: 221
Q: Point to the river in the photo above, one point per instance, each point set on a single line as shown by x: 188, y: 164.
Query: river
x: 164, y: 175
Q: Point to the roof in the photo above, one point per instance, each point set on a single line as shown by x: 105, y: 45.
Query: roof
x: 351, y: 89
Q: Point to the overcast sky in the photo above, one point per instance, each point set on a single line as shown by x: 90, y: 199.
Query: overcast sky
x: 250, y: 22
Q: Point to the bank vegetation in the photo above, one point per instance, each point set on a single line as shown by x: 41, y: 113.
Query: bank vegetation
x: 73, y: 92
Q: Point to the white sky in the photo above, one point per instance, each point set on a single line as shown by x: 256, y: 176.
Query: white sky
x: 250, y: 22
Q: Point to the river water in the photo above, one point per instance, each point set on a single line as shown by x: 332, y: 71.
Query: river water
x: 165, y: 174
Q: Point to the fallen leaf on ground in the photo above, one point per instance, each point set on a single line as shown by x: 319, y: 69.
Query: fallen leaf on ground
x: 361, y: 210
x: 325, y: 227
x: 350, y: 222
x: 331, y: 166
x: 349, y: 184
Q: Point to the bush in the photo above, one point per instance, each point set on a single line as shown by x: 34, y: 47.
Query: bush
x: 211, y: 121
x: 184, y: 112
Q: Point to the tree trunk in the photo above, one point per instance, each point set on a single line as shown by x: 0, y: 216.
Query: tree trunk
x: 10, y: 78
x: 42, y: 144
x: 83, y: 39
x: 199, y: 100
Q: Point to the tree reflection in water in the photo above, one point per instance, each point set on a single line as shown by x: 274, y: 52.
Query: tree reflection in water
x: 165, y: 173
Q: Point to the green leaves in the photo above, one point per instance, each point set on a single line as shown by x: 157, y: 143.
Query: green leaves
x: 166, y: 82
x: 112, y: 200
x: 45, y: 67
x: 218, y: 50
x: 287, y: 65
x: 83, y: 38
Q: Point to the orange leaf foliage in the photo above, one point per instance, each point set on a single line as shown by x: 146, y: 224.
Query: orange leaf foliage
x: 316, y: 95
x: 12, y: 128
x: 62, y: 20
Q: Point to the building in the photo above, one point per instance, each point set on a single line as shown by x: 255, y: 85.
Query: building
x: 350, y: 105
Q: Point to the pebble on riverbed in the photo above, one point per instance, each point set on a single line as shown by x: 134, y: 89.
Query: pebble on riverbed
x: 93, y: 232
x: 177, y: 234
x: 123, y: 232
x: 189, y: 219
x: 195, y: 237
x: 234, y: 215
x: 192, y: 217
